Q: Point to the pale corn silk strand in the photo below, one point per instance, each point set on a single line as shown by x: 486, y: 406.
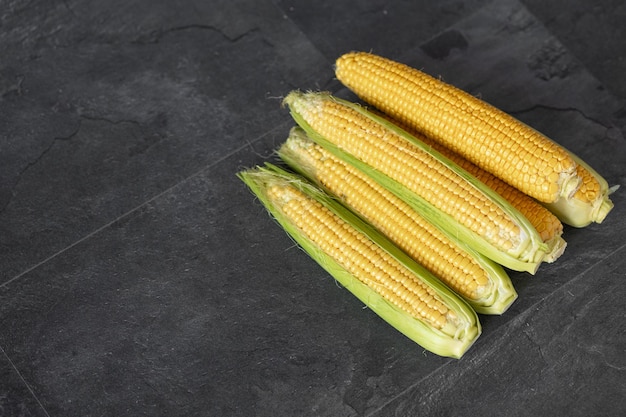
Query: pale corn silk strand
x: 360, y: 256
x: 394, y: 218
x: 395, y: 157
x: 519, y: 154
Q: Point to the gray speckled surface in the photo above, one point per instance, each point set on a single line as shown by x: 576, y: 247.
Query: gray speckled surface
x: 140, y: 277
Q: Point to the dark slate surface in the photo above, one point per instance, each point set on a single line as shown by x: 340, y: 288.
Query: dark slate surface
x: 139, y: 276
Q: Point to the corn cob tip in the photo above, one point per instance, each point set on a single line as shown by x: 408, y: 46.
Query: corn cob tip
x: 302, y: 101
x: 297, y: 146
x: 297, y: 139
x: 349, y: 56
x: 291, y: 96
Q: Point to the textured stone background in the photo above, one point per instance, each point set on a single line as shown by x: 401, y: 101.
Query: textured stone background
x: 140, y: 277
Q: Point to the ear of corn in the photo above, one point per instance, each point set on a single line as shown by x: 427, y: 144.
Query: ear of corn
x: 481, y: 282
x: 481, y: 133
x: 438, y: 189
x: 547, y: 224
x: 591, y: 203
x: 395, y: 287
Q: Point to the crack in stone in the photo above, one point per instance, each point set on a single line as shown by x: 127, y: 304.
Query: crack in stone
x: 36, y: 161
x: 107, y: 120
x: 156, y: 35
x: 15, y: 87
x: 20, y: 376
x: 69, y: 9
x: 535, y: 344
x: 54, y: 141
x: 378, y: 10
x: 595, y: 350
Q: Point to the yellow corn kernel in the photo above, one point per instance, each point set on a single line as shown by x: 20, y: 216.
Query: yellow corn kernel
x: 486, y: 136
x: 483, y: 284
x: 380, y: 146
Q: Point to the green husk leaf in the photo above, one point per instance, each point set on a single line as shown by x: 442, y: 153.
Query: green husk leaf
x: 451, y: 342
x: 529, y: 255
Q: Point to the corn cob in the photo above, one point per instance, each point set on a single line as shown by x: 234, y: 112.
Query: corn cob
x: 482, y: 283
x: 396, y: 288
x: 591, y: 203
x: 486, y: 136
x: 440, y: 190
x: 543, y: 220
